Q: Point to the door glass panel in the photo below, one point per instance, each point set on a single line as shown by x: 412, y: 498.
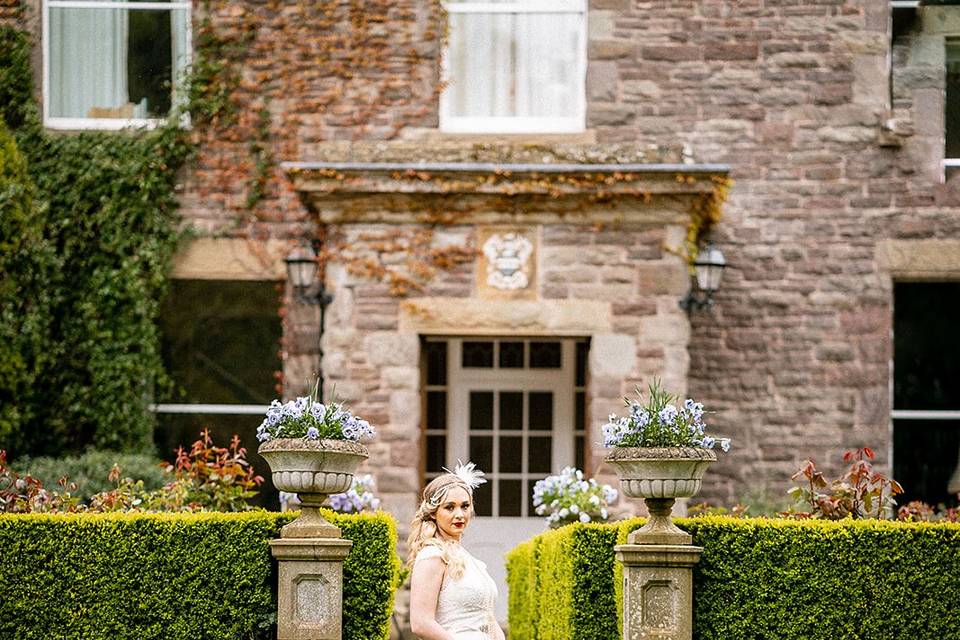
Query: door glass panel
x: 481, y: 410
x: 477, y: 355
x: 511, y: 497
x: 483, y: 500
x: 580, y: 453
x: 545, y: 355
x: 436, y: 453
x: 581, y: 372
x: 511, y: 355
x: 511, y: 410
x: 541, y: 410
x: 541, y: 456
x: 436, y: 410
x: 481, y: 451
x: 511, y: 454
x: 435, y: 354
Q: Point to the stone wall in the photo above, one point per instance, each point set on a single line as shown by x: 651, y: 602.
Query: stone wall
x: 795, y: 357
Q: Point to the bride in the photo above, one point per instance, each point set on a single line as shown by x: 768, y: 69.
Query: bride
x: 451, y: 594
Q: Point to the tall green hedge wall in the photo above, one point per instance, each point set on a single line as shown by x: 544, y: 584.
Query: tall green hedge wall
x: 174, y: 576
x: 757, y: 579
x: 84, y: 288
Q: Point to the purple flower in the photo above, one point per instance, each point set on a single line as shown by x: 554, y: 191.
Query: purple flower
x: 312, y: 433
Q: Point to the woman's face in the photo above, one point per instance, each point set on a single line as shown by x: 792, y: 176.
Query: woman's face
x: 454, y: 513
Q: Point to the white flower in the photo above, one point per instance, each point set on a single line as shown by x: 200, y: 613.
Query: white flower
x: 584, y: 517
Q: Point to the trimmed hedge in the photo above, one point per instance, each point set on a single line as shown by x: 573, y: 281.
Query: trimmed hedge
x: 174, y: 576
x: 757, y: 579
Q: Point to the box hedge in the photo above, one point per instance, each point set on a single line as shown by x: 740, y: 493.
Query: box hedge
x: 757, y: 579
x: 173, y: 576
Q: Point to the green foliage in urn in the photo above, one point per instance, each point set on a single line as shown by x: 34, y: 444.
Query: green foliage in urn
x: 757, y: 578
x: 174, y: 576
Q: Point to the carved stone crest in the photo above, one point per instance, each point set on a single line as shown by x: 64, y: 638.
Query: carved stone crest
x: 508, y: 256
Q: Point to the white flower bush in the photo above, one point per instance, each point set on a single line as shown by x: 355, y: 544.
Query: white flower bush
x: 660, y: 422
x: 567, y: 498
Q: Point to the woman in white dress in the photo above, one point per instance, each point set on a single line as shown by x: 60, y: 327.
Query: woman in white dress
x: 452, y: 596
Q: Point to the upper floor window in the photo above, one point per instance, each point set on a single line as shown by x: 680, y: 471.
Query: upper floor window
x: 515, y: 66
x: 109, y: 64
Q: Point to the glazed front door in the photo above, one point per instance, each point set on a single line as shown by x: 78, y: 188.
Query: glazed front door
x: 513, y: 409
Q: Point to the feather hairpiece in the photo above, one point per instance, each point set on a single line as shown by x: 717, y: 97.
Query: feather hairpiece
x: 468, y: 473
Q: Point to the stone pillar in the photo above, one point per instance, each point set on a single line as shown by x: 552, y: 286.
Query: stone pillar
x: 658, y: 577
x: 310, y: 587
x: 658, y: 590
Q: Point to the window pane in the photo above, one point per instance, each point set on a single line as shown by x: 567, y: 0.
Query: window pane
x: 511, y: 355
x: 221, y: 341
x: 511, y: 410
x: 581, y: 376
x: 436, y: 410
x: 580, y: 411
x: 540, y: 456
x: 545, y: 355
x: 925, y: 457
x: 477, y: 355
x: 579, y: 456
x: 115, y: 63
x: 528, y: 491
x: 483, y: 500
x: 541, y: 410
x: 481, y: 451
x: 436, y: 453
x: 511, y: 454
x: 481, y: 410
x: 435, y: 353
x: 511, y: 497
x: 952, y: 105
x: 926, y: 350
x: 515, y: 65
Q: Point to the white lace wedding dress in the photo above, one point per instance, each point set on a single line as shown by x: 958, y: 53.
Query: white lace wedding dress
x: 465, y: 607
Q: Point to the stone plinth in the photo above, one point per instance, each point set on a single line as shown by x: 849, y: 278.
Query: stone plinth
x: 658, y: 590
x: 310, y: 587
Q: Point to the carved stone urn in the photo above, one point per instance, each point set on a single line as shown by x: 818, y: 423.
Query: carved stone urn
x: 660, y: 476
x: 313, y: 469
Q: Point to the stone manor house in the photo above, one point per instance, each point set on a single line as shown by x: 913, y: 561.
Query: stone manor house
x: 505, y: 196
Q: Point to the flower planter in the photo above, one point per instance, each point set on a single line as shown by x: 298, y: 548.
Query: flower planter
x: 660, y: 476
x: 313, y: 469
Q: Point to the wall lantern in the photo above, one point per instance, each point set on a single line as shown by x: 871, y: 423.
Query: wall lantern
x: 302, y: 270
x: 708, y: 267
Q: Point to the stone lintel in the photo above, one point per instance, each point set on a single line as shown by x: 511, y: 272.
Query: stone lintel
x: 460, y: 316
x: 231, y: 259
x: 919, y: 259
x: 658, y: 555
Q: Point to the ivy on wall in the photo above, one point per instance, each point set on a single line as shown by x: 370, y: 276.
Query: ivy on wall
x: 82, y: 290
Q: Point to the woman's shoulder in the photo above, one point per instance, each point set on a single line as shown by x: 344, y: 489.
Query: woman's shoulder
x: 430, y: 551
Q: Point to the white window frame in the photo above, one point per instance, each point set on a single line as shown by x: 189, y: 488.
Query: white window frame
x: 112, y: 124
x: 573, y: 124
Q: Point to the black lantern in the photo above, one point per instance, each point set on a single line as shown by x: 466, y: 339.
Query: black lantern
x: 708, y: 267
x: 302, y: 270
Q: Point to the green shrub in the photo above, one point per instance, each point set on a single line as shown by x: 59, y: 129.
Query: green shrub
x: 106, y: 211
x: 90, y: 471
x: 759, y: 579
x: 165, y: 576
x: 26, y: 266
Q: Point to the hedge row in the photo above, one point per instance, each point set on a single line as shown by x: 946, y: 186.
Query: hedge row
x: 174, y: 576
x: 757, y: 579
